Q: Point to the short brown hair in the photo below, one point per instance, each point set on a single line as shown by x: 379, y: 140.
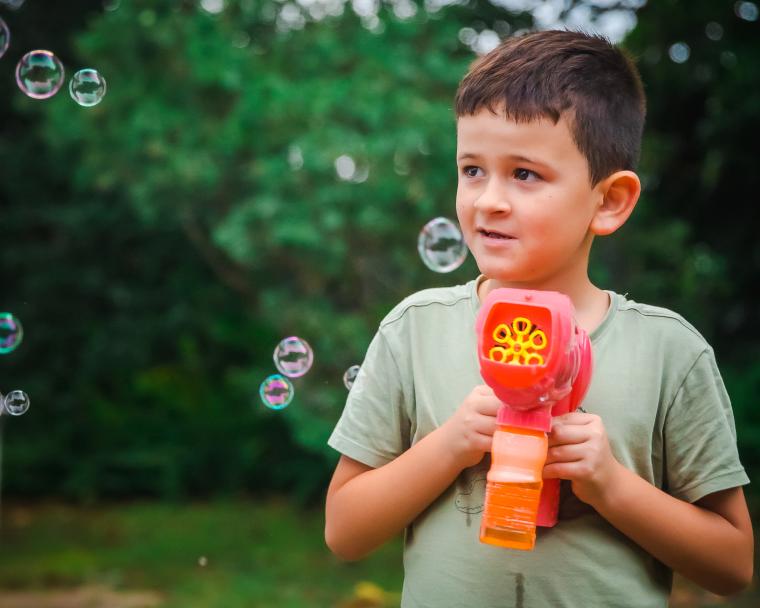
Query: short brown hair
x: 546, y: 74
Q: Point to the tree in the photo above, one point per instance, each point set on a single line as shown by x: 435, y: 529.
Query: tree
x: 264, y: 171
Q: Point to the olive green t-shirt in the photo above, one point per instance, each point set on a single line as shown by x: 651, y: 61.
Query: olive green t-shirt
x: 658, y: 391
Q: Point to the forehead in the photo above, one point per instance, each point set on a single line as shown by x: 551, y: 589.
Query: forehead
x: 486, y: 134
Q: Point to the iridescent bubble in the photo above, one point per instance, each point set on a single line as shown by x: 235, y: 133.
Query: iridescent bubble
x: 16, y: 403
x: 11, y: 333
x: 679, y: 52
x: 747, y: 11
x: 87, y: 87
x: 441, y: 246
x: 14, y: 5
x: 350, y: 376
x: 5, y: 37
x: 293, y: 357
x: 39, y: 74
x: 276, y: 392
x: 714, y: 31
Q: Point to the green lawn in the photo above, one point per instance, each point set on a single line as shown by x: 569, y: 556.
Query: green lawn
x: 210, y: 555
x: 226, y: 555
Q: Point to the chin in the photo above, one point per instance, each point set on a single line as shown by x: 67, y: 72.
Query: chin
x: 508, y: 277
x: 498, y: 272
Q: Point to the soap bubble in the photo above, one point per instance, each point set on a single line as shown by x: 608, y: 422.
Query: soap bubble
x: 11, y: 333
x: 276, y: 392
x: 714, y: 31
x: 39, y: 74
x: 16, y: 403
x: 293, y: 357
x: 87, y: 87
x: 441, y: 245
x: 747, y: 11
x: 14, y: 5
x: 5, y: 37
x: 350, y: 376
x: 679, y: 52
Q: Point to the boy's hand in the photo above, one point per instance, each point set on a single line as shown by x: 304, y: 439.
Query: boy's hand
x: 579, y: 451
x: 470, y: 429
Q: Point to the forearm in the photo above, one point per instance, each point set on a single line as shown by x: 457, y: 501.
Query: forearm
x: 695, y: 542
x: 376, y: 505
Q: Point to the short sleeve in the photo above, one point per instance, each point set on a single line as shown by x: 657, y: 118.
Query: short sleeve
x: 701, y: 454
x: 375, y: 427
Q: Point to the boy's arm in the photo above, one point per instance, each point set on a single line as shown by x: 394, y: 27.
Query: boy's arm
x: 366, y: 507
x: 709, y: 542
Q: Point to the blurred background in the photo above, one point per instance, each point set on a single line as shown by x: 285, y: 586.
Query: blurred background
x: 261, y: 169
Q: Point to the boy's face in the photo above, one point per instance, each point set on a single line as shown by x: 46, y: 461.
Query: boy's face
x: 529, y: 183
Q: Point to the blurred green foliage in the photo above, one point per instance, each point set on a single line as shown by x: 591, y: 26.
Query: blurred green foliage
x: 159, y: 245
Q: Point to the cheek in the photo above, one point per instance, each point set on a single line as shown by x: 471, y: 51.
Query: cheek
x: 462, y: 209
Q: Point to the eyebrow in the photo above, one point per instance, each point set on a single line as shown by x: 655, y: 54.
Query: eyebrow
x: 517, y: 157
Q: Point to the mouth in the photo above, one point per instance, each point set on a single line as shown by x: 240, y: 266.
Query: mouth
x: 492, y: 234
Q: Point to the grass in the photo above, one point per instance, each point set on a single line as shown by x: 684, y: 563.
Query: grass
x: 230, y: 554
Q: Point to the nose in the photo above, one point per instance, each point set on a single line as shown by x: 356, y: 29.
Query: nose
x: 493, y: 198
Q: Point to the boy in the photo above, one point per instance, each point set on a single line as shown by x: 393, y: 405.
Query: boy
x: 548, y: 133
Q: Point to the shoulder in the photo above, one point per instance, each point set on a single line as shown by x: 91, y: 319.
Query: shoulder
x: 660, y: 327
x: 430, y: 303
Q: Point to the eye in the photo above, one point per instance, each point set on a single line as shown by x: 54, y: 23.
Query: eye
x: 525, y: 175
x: 471, y: 171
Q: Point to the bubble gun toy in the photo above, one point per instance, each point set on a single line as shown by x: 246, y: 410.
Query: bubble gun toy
x: 538, y: 362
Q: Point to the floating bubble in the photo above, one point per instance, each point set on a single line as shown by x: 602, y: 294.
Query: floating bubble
x: 714, y: 31
x: 350, y: 376
x: 5, y: 37
x: 39, y: 74
x: 14, y: 5
x: 87, y: 87
x: 11, y: 333
x: 276, y: 392
x: 441, y: 246
x: 747, y: 11
x: 16, y: 403
x: 293, y: 357
x: 728, y: 59
x: 679, y: 52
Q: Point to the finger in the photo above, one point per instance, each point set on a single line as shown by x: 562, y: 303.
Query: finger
x: 561, y: 470
x: 562, y: 434
x: 575, y: 418
x: 488, y: 405
x: 485, y: 425
x: 565, y: 453
x: 484, y: 442
x: 483, y: 389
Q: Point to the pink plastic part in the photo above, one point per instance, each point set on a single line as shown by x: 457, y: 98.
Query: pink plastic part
x: 533, y: 394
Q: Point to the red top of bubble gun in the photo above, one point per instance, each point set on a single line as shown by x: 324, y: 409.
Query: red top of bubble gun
x: 533, y: 355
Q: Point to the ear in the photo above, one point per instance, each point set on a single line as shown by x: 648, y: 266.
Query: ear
x: 619, y: 194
